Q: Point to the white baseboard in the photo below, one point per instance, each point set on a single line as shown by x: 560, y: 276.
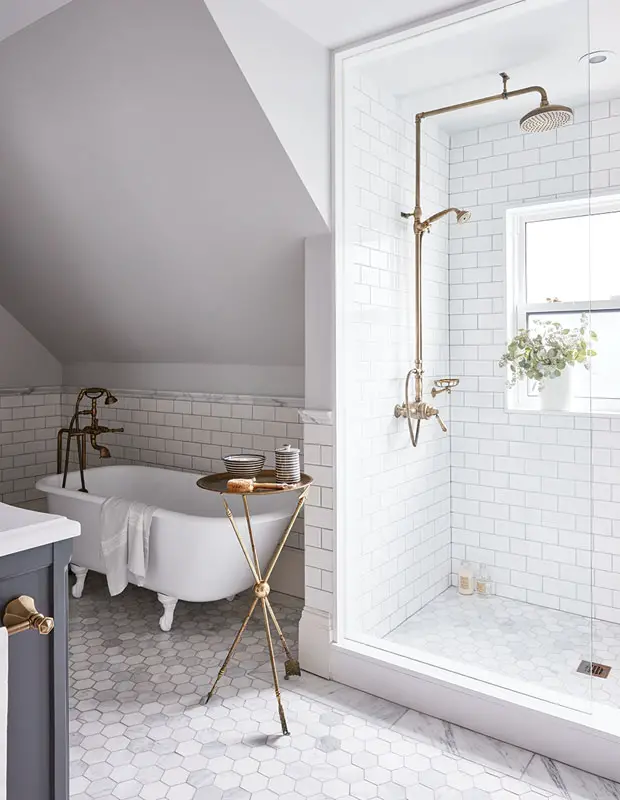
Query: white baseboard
x: 315, y: 642
x: 288, y: 576
x: 590, y: 742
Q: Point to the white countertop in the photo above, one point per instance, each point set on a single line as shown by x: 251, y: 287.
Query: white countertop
x: 22, y: 529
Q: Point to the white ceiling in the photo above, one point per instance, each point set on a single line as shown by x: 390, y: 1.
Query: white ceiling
x: 540, y: 46
x: 337, y: 22
x: 17, y: 14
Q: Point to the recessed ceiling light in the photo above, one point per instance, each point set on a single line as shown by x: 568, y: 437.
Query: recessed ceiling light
x: 597, y: 56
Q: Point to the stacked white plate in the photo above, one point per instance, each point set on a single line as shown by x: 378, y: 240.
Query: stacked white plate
x: 244, y: 465
x: 287, y: 464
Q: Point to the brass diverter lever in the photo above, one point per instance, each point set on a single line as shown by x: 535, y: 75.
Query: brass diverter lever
x: 21, y: 615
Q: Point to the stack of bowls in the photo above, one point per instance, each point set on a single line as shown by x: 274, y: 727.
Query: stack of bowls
x: 244, y: 465
x: 287, y: 464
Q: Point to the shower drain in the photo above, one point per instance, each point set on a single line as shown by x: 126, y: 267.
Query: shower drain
x: 592, y: 668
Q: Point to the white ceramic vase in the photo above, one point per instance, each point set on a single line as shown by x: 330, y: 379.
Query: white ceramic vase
x: 557, y: 393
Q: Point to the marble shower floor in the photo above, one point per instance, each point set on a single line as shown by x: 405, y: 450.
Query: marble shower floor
x: 138, y: 729
x: 537, y: 645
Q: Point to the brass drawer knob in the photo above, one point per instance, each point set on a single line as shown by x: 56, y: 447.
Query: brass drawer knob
x: 21, y: 615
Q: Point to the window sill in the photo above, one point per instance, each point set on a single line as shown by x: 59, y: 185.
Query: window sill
x: 580, y: 410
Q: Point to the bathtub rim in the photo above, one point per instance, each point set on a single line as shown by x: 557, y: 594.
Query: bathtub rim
x: 47, y: 484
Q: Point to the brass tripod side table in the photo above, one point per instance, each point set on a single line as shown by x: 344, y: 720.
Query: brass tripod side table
x: 219, y: 483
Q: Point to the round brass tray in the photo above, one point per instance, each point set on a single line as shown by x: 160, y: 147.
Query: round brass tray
x: 219, y: 483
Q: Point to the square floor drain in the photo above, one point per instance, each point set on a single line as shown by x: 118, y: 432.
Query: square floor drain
x: 592, y: 668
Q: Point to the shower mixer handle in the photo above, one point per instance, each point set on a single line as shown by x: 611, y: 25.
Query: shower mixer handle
x: 417, y: 410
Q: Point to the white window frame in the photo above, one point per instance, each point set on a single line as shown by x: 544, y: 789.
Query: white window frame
x: 518, y: 398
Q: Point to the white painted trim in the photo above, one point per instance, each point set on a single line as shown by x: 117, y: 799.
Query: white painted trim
x: 316, y: 417
x: 288, y: 576
x: 402, y: 39
x: 586, y: 741
x: 315, y: 643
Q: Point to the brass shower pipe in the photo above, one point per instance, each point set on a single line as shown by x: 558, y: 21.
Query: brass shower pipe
x: 418, y: 409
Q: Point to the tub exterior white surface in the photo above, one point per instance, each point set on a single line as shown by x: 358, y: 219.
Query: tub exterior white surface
x: 193, y: 554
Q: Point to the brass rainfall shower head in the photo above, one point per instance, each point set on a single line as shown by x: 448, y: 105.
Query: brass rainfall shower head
x: 463, y: 216
x: 547, y: 117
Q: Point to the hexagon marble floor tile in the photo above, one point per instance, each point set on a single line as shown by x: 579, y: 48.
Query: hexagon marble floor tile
x: 139, y: 730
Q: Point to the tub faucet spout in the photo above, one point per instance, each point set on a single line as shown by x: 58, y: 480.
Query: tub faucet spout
x: 80, y: 434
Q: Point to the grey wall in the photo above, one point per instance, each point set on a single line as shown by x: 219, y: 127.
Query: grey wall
x: 148, y: 212
x: 23, y: 360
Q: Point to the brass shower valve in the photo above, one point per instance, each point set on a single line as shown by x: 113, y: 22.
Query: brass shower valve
x: 419, y: 410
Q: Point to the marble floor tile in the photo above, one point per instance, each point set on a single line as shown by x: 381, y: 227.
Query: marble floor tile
x: 139, y: 730
x: 568, y: 782
x: 505, y: 758
x: 521, y: 641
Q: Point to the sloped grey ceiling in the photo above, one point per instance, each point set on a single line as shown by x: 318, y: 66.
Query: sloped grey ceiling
x: 148, y: 212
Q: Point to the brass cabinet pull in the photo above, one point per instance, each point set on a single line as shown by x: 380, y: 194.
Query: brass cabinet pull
x: 21, y: 615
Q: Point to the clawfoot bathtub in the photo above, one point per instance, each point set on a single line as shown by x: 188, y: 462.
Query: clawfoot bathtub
x: 193, y: 554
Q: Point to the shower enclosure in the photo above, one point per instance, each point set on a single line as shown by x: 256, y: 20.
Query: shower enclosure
x: 521, y: 485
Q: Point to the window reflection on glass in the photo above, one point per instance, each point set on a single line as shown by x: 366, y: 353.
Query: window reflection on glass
x: 575, y: 258
x: 602, y: 380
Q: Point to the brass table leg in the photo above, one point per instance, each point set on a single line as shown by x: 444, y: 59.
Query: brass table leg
x: 261, y: 592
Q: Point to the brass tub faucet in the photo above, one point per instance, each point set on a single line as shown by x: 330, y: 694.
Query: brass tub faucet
x: 90, y: 431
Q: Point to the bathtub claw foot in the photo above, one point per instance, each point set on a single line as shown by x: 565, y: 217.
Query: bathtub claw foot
x: 80, y: 578
x: 231, y: 597
x: 169, y: 604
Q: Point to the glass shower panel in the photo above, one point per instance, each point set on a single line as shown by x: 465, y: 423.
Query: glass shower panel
x: 505, y: 496
x: 604, y: 180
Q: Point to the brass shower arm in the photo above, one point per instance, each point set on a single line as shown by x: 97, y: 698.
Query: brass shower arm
x: 428, y: 222
x: 544, y: 101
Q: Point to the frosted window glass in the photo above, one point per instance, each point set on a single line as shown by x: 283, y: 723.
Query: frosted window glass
x: 575, y: 258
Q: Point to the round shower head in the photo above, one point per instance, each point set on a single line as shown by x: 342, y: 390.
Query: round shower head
x: 463, y: 216
x: 546, y: 118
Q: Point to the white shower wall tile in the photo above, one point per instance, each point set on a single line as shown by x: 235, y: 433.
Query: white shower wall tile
x: 29, y: 420
x: 397, y: 498
x: 192, y: 432
x: 532, y: 494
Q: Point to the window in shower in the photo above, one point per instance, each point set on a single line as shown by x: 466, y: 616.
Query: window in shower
x: 562, y: 263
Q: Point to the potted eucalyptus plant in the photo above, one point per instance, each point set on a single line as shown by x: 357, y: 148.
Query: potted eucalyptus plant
x: 544, y: 354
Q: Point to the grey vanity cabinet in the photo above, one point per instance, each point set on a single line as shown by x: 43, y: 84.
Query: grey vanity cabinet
x: 37, y: 736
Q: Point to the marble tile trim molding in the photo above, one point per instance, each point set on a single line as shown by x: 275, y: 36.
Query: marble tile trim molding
x: 27, y: 390
x: 316, y: 416
x: 201, y: 397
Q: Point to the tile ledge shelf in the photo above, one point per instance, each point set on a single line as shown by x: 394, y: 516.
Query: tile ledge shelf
x: 27, y: 390
x: 203, y: 397
x: 316, y: 416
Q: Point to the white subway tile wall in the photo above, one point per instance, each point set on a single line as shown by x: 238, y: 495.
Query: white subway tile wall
x: 319, y: 527
x: 397, y: 499
x: 28, y: 426
x: 535, y: 496
x: 194, y: 434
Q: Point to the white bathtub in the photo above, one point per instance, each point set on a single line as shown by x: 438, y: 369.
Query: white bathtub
x: 194, y: 554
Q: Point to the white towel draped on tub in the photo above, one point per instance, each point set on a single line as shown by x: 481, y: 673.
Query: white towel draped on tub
x: 125, y: 531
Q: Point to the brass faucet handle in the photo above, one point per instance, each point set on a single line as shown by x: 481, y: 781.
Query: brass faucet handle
x: 442, y: 424
x: 21, y: 615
